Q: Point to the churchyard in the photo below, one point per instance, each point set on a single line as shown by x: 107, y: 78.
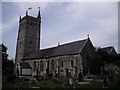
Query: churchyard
x: 64, y: 82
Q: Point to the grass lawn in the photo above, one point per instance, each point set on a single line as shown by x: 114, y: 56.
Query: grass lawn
x: 51, y: 83
x: 91, y: 85
x: 115, y: 82
x: 19, y: 83
x: 7, y: 85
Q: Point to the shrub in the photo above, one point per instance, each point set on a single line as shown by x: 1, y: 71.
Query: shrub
x: 116, y: 82
x: 10, y: 78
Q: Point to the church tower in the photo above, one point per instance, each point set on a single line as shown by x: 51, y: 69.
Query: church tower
x: 28, y: 36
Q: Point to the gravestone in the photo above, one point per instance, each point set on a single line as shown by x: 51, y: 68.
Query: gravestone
x: 46, y: 76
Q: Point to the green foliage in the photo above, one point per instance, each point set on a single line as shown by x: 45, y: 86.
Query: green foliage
x: 112, y: 58
x: 7, y: 65
x: 4, y: 52
x: 44, y: 84
x: 95, y: 65
x: 99, y: 59
x: 58, y: 86
x: 7, y: 85
x: 10, y: 78
x: 117, y: 62
x: 116, y: 82
x: 91, y: 85
x: 103, y: 54
x: 25, y: 85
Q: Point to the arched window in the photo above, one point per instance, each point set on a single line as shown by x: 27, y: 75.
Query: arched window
x: 72, y: 63
x: 41, y: 66
x: 37, y: 64
x: 52, y: 65
x: 34, y: 65
x: 62, y: 63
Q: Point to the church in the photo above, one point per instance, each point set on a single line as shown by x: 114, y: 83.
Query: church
x: 69, y: 58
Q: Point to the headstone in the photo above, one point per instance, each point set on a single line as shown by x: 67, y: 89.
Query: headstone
x: 46, y: 76
x: 70, y: 81
x: 104, y: 82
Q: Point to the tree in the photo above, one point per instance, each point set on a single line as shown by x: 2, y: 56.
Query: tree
x: 4, y: 53
x: 7, y: 65
x: 117, y: 62
x: 95, y: 65
x: 103, y: 54
x: 107, y: 57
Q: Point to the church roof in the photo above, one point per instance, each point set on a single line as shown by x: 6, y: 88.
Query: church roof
x: 61, y: 50
x: 25, y: 65
x: 110, y: 49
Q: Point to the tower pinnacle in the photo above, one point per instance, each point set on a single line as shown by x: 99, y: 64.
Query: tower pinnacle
x: 20, y: 18
x: 26, y: 12
x: 38, y: 13
x: 88, y: 35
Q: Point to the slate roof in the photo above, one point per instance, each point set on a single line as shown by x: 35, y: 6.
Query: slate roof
x: 60, y: 50
x: 25, y: 65
x: 108, y: 49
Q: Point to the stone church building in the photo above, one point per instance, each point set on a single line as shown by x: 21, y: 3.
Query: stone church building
x: 61, y: 60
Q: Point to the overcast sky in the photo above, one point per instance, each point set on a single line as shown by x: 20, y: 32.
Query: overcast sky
x: 63, y: 22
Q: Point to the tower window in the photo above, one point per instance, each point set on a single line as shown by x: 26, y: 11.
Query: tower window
x: 30, y: 42
x: 31, y: 24
x: 20, y: 42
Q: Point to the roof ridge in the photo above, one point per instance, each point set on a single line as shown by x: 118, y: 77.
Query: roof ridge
x: 63, y: 44
x: 107, y: 47
x: 64, y: 49
x: 84, y: 44
x: 73, y: 42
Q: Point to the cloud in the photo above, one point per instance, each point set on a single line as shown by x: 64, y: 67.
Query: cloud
x: 23, y: 6
x: 8, y: 25
x: 80, y: 19
x: 65, y: 22
x: 60, y: 0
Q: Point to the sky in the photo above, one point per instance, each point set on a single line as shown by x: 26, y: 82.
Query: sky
x: 63, y: 22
